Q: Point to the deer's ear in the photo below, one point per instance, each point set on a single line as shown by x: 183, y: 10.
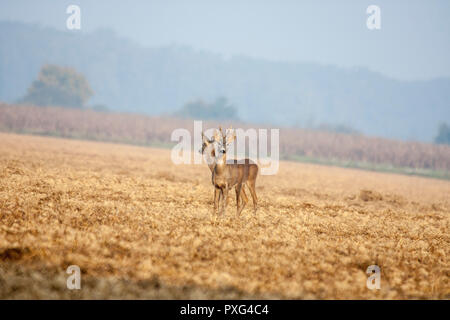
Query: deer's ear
x: 204, y: 138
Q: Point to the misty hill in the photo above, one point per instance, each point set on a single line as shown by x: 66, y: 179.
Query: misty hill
x: 128, y: 77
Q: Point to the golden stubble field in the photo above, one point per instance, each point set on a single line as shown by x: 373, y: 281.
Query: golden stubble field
x: 141, y: 227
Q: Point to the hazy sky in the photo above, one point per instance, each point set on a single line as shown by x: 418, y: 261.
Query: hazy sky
x: 413, y: 43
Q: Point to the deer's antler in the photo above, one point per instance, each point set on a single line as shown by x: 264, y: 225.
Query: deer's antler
x: 217, y: 135
x: 230, y: 138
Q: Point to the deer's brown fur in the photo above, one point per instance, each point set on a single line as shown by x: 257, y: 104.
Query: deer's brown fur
x: 208, y: 150
x: 227, y: 174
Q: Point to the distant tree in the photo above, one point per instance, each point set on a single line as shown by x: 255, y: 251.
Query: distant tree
x: 220, y: 109
x: 59, y: 86
x: 443, y: 136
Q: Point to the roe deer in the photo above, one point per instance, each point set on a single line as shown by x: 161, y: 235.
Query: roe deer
x: 208, y: 150
x: 232, y: 173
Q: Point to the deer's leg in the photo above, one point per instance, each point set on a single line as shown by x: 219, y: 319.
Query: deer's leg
x: 237, y: 197
x: 224, y: 193
x: 243, y: 195
x: 216, y: 199
x: 251, y: 187
x: 228, y: 201
x: 239, y: 208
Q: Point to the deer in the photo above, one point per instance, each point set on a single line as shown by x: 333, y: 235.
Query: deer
x: 227, y: 174
x: 209, y: 151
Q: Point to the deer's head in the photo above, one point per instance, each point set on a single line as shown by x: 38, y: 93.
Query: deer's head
x: 224, y: 139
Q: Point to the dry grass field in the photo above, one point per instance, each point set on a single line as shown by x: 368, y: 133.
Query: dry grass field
x: 141, y: 227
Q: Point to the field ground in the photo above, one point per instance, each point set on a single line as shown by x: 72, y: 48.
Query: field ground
x: 141, y: 227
